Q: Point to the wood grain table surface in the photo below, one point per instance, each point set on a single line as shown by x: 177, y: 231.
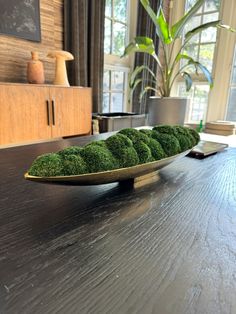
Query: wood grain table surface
x: 168, y: 247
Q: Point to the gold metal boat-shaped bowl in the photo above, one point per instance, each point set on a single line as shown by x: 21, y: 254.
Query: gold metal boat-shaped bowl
x: 110, y: 176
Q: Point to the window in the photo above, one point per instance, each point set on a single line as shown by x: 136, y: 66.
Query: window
x: 119, y: 28
x: 201, y: 48
x: 231, y: 110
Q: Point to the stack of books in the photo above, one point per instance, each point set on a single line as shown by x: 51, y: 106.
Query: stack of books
x: 220, y: 128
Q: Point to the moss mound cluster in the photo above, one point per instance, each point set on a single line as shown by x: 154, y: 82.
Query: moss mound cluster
x: 143, y: 151
x: 147, y: 132
x: 72, y: 150
x: 47, y: 165
x: 156, y: 150
x: 195, y: 136
x: 123, y: 150
x: 140, y: 143
x: 134, y: 135
x: 74, y: 165
x: 165, y: 129
x: 127, y: 148
x: 169, y: 143
x: 98, y: 158
x: 101, y: 143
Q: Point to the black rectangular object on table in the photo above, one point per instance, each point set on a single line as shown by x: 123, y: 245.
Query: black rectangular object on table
x: 206, y: 148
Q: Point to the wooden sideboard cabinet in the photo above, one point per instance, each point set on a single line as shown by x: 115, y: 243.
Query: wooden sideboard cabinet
x: 37, y: 112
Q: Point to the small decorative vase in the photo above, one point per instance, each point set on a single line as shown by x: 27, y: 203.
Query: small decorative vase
x: 35, y: 71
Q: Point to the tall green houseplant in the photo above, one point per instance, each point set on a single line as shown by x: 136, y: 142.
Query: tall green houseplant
x: 169, y: 37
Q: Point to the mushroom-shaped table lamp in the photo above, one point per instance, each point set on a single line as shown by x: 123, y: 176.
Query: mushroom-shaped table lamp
x: 61, y: 57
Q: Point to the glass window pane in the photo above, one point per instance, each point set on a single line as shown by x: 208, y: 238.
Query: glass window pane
x: 231, y: 110
x: 117, y: 102
x: 192, y: 51
x: 209, y: 35
x: 119, y: 38
x: 200, y: 101
x: 206, y: 55
x: 107, y: 39
x: 231, y: 113
x: 198, y: 96
x: 234, y: 76
x: 106, y: 80
x: 117, y: 80
x: 120, y: 10
x: 212, y: 5
x: 193, y: 23
x: 106, y: 102
x: 190, y: 3
x: 108, y: 8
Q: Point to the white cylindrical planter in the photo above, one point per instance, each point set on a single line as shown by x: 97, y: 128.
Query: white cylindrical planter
x: 167, y: 110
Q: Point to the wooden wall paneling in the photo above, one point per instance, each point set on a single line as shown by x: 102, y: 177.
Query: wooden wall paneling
x: 15, y: 52
x: 58, y: 24
x: 23, y: 115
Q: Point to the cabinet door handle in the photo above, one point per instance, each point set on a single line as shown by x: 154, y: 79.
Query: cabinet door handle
x: 48, y: 112
x: 53, y: 112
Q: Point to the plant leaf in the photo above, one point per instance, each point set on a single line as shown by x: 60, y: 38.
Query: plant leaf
x: 145, y: 90
x: 200, y: 28
x: 138, y: 70
x: 183, y: 56
x: 178, y: 27
x: 204, y: 70
x: 142, y: 44
x: 135, y: 84
x: 233, y: 30
x: 206, y: 73
x: 162, y: 27
x: 188, y: 80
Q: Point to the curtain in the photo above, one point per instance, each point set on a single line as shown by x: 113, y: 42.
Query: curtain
x: 84, y: 38
x: 145, y: 27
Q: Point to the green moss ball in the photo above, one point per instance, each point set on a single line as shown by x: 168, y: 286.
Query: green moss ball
x: 179, y: 132
x: 101, y: 143
x: 122, y: 148
x: 179, y: 129
x: 117, y: 142
x: 166, y: 129
x: 144, y: 152
x: 184, y: 142
x: 169, y: 143
x: 98, y: 158
x: 134, y: 135
x: 47, y: 165
x: 74, y: 165
x: 147, y: 132
x: 156, y: 149
x: 71, y: 150
x: 195, y: 135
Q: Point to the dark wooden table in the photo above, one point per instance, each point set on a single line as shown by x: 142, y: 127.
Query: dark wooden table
x: 168, y: 247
